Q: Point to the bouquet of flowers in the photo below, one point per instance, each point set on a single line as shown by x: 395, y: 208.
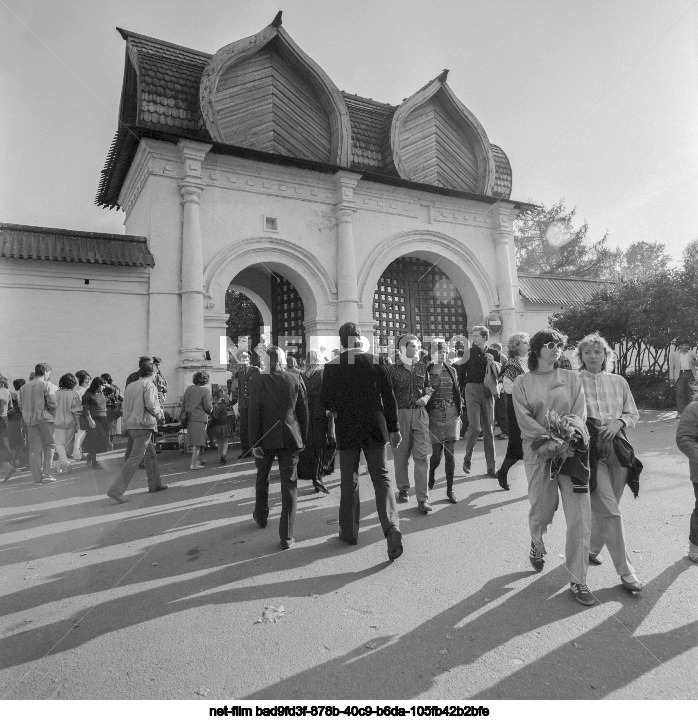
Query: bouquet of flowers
x: 561, y: 439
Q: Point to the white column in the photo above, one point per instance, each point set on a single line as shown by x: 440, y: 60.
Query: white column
x: 192, y: 354
x: 503, y: 236
x: 347, y: 282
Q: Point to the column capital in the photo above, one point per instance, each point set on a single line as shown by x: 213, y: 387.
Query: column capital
x: 344, y: 184
x: 191, y: 192
x: 343, y: 212
x: 192, y: 154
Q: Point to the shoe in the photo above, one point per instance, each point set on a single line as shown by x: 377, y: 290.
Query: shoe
x: 223, y: 461
x: 197, y: 468
x: 502, y: 437
x: 98, y: 466
x: 693, y: 552
x: 9, y: 472
x: 320, y: 486
x: 159, y: 488
x: 403, y: 496
x: 261, y: 522
x: 481, y: 436
x: 424, y: 507
x: 596, y: 559
x: 451, y: 495
x: 536, y: 558
x: 348, y: 540
x: 491, y: 473
x: 118, y: 497
x: 582, y: 594
x: 631, y: 582
x: 286, y: 543
x: 394, y: 543
x: 47, y: 478
x: 502, y: 480
x: 466, y: 466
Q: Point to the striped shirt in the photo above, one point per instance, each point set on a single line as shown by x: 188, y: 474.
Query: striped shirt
x: 608, y: 398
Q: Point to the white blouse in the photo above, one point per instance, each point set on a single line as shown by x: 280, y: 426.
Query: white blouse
x: 608, y: 398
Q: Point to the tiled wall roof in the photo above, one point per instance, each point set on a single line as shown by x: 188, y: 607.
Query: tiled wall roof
x: 558, y: 290
x: 161, y: 93
x: 27, y: 242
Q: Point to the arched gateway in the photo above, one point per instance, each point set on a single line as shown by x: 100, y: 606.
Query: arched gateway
x: 249, y: 167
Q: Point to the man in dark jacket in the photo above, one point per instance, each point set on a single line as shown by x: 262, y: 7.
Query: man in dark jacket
x: 278, y: 425
x: 356, y: 388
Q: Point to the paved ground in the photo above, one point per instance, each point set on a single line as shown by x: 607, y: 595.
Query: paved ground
x: 159, y: 598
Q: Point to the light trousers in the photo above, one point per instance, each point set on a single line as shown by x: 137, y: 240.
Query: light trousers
x: 143, y: 449
x: 63, y: 437
x: 77, y: 445
x: 607, y: 528
x: 416, y: 441
x: 544, y: 495
x: 40, y: 442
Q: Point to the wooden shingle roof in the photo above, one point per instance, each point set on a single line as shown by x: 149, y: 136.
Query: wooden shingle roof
x: 558, y: 290
x: 28, y: 242
x: 160, y: 96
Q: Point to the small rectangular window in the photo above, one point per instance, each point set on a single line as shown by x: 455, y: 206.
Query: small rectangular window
x: 271, y: 225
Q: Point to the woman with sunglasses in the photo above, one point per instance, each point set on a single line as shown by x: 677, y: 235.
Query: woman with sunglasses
x: 546, y: 387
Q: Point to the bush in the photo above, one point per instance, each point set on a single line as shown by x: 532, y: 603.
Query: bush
x: 651, y: 391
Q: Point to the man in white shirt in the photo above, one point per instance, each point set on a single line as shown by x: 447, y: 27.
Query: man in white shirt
x: 683, y: 369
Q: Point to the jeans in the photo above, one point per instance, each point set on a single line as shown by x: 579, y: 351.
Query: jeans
x: 477, y: 404
x: 288, y: 463
x: 414, y: 429
x: 607, y: 528
x: 63, y: 437
x: 693, y: 534
x: 349, y: 502
x: 143, y: 448
x: 40, y: 442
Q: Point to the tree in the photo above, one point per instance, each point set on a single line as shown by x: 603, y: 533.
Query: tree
x: 690, y: 255
x: 548, y: 243
x: 643, y: 259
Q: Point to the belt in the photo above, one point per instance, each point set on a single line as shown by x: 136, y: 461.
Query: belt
x: 445, y: 402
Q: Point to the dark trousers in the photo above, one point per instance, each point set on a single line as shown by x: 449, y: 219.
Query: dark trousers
x: 684, y: 390
x: 500, y: 412
x: 693, y: 535
x: 244, y: 430
x: 349, y: 502
x: 288, y: 462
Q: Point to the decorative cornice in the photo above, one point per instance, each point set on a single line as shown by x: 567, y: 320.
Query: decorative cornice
x: 328, y: 92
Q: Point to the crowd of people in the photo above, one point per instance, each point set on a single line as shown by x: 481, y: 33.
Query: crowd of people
x: 568, y: 427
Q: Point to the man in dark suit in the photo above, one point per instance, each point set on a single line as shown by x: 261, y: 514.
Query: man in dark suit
x: 356, y: 388
x: 278, y: 425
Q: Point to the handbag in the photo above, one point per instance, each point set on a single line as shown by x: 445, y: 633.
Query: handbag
x: 492, y: 382
x: 183, y: 418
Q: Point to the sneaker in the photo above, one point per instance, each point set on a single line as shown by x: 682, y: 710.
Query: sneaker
x: 596, y: 559
x: 502, y: 437
x: 394, y: 538
x: 536, y: 558
x: 466, y: 466
x: 693, y: 552
x: 403, y: 496
x: 481, y: 436
x: 582, y: 594
x: 197, y: 468
x: 424, y: 507
x: 286, y: 543
x: 47, y: 478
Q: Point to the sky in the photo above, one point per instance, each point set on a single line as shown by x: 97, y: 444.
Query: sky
x: 594, y: 101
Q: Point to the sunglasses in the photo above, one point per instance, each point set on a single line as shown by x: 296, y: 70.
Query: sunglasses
x: 552, y: 345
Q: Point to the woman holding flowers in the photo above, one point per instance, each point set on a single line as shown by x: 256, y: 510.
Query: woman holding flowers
x: 610, y: 410
x: 538, y: 395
